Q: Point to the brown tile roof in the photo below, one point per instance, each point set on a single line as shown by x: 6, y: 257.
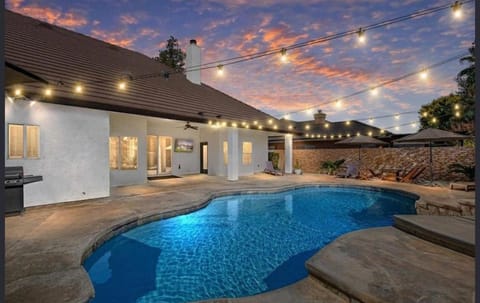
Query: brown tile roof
x: 340, y: 128
x: 65, y: 58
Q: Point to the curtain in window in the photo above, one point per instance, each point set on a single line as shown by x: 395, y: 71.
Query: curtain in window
x: 247, y: 153
x: 33, y: 142
x: 114, y: 149
x: 129, y: 152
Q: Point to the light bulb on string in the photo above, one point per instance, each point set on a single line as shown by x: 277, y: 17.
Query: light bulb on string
x: 414, y: 124
x: 370, y: 120
x: 347, y: 122
x: 397, y: 127
x: 338, y: 103
x: 307, y: 126
x: 122, y: 85
x: 48, y: 92
x: 286, y: 116
x: 361, y: 35
x: 397, y: 116
x: 309, y: 111
x: 220, y: 70
x: 434, y: 120
x: 457, y: 114
x: 374, y: 91
x: 457, y: 10
x: 283, y: 55
x: 423, y: 74
x: 457, y: 106
x: 78, y: 89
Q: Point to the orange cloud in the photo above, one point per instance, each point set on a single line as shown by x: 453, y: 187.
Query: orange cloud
x: 118, y: 38
x: 70, y: 19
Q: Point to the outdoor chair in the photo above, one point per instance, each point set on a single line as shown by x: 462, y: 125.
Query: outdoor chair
x: 412, y: 174
x: 351, y: 172
x: 272, y: 171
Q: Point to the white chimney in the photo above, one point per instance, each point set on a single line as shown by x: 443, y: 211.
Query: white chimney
x: 193, y: 60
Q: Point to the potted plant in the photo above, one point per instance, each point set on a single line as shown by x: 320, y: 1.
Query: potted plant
x: 332, y: 166
x: 297, y: 167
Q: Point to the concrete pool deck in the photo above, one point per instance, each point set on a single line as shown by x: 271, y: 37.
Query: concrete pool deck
x: 45, y: 246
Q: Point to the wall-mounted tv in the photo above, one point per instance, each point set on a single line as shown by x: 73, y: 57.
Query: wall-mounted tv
x: 183, y: 145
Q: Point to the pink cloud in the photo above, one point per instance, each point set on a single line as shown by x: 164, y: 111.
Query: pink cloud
x: 118, y: 38
x: 71, y: 19
x: 128, y: 19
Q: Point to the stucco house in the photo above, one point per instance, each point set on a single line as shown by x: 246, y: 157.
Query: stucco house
x: 88, y: 115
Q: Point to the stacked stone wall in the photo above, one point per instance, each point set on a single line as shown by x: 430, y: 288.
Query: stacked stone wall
x: 376, y: 159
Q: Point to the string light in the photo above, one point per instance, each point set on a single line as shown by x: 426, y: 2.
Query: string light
x: 374, y: 91
x: 234, y: 124
x: 48, y: 92
x: 220, y: 70
x: 457, y: 106
x: 370, y: 133
x: 260, y: 127
x: 361, y: 35
x: 397, y: 116
x: 17, y: 92
x: 348, y: 135
x: 286, y: 116
x: 457, y: 9
x: 397, y: 127
x: 275, y: 127
x: 434, y: 120
x: 338, y: 103
x: 425, y: 114
x: 370, y: 120
x: 307, y: 126
x: 327, y: 125
x: 78, y: 89
x: 270, y: 121
x: 423, y: 74
x: 347, y: 122
x: 283, y: 55
x: 290, y: 127
x: 457, y: 114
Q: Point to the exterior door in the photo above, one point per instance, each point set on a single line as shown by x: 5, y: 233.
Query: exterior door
x: 204, y: 157
x: 159, y: 155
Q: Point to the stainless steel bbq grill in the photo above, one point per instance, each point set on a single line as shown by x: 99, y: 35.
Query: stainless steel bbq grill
x: 14, y: 182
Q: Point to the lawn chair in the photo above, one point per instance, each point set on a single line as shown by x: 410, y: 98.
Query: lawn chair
x: 410, y: 176
x: 272, y: 171
x: 351, y: 172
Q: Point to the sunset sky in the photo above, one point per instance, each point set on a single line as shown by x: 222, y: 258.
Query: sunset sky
x: 315, y: 74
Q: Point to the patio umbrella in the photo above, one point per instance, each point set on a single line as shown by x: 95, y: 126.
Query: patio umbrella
x: 429, y: 135
x: 361, y: 141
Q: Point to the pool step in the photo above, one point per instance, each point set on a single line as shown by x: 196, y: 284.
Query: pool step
x: 385, y: 264
x: 457, y: 233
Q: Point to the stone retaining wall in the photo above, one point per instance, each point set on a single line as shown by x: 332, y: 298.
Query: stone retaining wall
x: 464, y: 207
x: 378, y: 158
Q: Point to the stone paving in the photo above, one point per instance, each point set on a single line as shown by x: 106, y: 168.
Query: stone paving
x: 45, y: 246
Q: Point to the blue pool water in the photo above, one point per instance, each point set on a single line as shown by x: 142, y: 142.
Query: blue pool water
x: 238, y: 245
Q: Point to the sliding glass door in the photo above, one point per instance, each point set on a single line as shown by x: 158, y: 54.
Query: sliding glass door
x: 159, y: 155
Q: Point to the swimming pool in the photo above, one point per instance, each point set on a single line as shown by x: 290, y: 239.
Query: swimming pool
x: 236, y: 246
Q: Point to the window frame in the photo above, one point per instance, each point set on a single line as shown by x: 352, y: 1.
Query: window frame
x: 249, y: 155
x: 24, y: 141
x: 119, y: 153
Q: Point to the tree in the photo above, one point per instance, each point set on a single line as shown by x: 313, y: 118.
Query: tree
x: 172, y: 55
x: 440, y: 113
x: 455, y: 112
x: 466, y: 89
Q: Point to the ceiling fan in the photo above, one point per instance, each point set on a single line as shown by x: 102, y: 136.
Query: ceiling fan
x: 188, y: 125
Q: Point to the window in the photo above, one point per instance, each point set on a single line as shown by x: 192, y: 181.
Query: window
x: 123, y: 152
x: 225, y: 152
x: 23, y: 141
x: 33, y: 141
x: 247, y: 153
x: 15, y: 141
x: 129, y: 152
x: 114, y: 149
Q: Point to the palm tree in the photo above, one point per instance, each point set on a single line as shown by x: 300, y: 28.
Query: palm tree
x: 466, y: 91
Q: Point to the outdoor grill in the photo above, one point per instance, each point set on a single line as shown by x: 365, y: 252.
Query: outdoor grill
x: 14, y: 181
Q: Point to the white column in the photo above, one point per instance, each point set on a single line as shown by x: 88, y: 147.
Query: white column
x: 233, y: 157
x: 288, y: 153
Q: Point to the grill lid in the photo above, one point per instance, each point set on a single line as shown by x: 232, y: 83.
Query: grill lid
x: 13, y: 172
